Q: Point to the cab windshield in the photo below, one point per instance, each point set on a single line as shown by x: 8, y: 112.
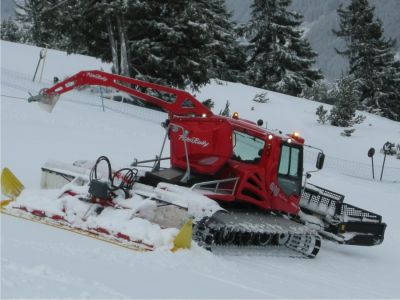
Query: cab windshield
x: 247, y: 148
x: 290, y: 169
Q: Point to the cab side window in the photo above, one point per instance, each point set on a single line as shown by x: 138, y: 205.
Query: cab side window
x: 246, y: 148
x: 290, y: 168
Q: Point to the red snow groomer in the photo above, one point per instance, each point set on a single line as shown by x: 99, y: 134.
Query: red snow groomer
x: 255, y: 174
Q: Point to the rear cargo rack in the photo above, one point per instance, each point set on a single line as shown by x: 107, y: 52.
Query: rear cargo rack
x: 321, y: 201
x: 348, y: 223
x: 354, y: 213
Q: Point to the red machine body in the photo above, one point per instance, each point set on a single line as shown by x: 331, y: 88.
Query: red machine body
x: 268, y: 165
x: 224, y: 148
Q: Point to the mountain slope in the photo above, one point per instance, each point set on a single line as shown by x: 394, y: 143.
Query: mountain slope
x: 39, y: 261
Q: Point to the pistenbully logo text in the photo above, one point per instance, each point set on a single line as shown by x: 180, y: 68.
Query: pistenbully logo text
x: 97, y: 76
x: 194, y: 140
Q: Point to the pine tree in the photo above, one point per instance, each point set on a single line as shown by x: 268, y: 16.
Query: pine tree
x: 36, y: 19
x: 318, y: 92
x: 226, y: 60
x: 67, y: 24
x: 27, y: 16
x: 209, y: 103
x: 226, y: 111
x: 115, y: 15
x: 343, y: 113
x: 190, y: 42
x: 371, y: 58
x: 387, y: 96
x: 10, y: 32
x: 96, y: 27
x: 322, y: 114
x: 280, y: 59
x: 168, y: 44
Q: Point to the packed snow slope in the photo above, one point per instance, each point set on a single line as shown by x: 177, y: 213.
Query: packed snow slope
x: 41, y: 261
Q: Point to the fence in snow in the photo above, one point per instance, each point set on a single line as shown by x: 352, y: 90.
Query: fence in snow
x: 357, y: 169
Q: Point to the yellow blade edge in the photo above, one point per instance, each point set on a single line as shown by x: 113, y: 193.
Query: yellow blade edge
x: 10, y: 186
x: 183, y: 240
x: 4, y: 203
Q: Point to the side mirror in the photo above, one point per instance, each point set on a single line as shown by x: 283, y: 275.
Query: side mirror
x: 320, y: 161
x: 260, y: 122
x: 165, y: 124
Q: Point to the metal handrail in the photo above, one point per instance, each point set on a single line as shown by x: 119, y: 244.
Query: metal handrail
x: 137, y: 163
x: 200, y: 185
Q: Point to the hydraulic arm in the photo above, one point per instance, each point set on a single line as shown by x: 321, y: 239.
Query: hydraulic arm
x: 173, y: 101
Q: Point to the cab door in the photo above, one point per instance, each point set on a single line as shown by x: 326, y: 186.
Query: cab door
x: 285, y: 182
x: 290, y: 169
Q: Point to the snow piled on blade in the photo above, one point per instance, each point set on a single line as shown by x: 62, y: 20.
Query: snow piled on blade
x: 92, y: 217
x: 199, y: 206
x: 34, y: 199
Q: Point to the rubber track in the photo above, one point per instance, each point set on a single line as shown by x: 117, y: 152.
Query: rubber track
x: 252, y: 229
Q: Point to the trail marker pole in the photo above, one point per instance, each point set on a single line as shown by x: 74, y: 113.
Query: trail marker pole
x: 371, y: 153
x: 42, y: 54
x: 383, y: 166
x: 386, y: 150
x: 44, y: 61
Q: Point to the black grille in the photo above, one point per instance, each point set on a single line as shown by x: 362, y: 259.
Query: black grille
x: 354, y: 212
x: 321, y: 200
x: 326, y: 202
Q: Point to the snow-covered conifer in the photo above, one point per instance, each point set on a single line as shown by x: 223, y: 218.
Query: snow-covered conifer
x: 184, y: 43
x: 9, y: 31
x: 226, y: 61
x: 343, y: 113
x: 280, y: 58
x: 371, y: 58
x: 226, y: 111
x: 37, y: 21
x: 322, y: 114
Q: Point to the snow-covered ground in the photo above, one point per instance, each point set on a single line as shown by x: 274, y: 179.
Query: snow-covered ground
x: 40, y: 261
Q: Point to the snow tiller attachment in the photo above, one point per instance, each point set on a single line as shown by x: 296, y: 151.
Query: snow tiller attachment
x: 240, y: 183
x: 103, y: 208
